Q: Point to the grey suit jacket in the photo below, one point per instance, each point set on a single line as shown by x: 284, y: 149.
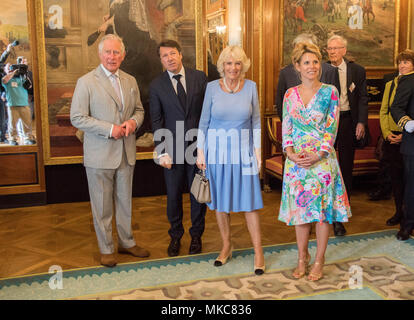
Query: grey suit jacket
x: 95, y: 107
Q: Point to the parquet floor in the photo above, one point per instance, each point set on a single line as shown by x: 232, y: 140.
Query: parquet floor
x: 33, y: 239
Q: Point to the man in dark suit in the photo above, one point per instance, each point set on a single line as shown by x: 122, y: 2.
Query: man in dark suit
x: 176, y: 100
x: 353, y: 114
x: 289, y: 77
x: 402, y: 111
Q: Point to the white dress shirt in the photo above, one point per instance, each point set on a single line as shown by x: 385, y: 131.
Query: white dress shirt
x: 343, y: 99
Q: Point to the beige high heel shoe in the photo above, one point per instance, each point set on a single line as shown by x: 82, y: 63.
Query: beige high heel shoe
x: 315, y: 276
x: 219, y: 262
x: 296, y: 274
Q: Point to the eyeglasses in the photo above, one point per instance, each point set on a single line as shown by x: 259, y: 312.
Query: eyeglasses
x: 334, y: 48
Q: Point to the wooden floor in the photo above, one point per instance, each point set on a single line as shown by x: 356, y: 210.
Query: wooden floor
x: 33, y: 239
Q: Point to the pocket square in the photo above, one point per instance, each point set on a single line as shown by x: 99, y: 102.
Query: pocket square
x: 352, y: 87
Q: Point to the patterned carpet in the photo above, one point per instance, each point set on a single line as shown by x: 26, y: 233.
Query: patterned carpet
x: 372, y: 266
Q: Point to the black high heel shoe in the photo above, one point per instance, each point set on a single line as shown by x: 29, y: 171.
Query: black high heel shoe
x: 259, y: 270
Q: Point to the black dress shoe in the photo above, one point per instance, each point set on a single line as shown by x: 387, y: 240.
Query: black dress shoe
x: 394, y: 220
x: 174, y: 247
x: 195, y: 246
x: 403, y: 235
x: 339, y: 229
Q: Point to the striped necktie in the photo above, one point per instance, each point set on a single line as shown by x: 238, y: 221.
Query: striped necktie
x: 115, y: 84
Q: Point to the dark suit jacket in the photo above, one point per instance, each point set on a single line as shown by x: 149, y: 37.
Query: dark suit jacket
x: 402, y: 110
x: 167, y: 112
x: 390, y: 76
x: 358, y: 97
x: 387, y: 78
x: 288, y: 78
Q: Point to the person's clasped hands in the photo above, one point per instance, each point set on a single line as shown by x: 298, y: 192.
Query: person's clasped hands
x: 124, y: 130
x: 394, y: 138
x: 304, y: 159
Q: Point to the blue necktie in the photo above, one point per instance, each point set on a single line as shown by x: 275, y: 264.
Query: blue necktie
x: 182, y: 96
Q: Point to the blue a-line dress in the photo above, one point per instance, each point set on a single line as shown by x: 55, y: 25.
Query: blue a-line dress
x: 229, y: 130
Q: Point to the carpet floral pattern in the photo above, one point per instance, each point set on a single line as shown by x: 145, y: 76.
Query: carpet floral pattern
x: 366, y: 266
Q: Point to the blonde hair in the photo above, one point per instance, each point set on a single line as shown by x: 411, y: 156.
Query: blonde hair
x: 237, y: 54
x: 306, y: 47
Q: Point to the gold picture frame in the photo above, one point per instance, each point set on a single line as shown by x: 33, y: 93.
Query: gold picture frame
x: 29, y: 177
x: 56, y: 41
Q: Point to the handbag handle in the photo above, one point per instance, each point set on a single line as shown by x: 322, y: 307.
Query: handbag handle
x: 202, y: 174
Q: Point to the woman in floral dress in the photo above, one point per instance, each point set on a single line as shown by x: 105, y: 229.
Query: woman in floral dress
x: 313, y: 188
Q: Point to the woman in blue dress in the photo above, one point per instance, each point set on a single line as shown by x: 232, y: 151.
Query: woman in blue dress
x: 228, y: 148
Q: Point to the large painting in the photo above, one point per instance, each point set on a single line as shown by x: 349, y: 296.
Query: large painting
x: 72, y: 31
x: 370, y: 27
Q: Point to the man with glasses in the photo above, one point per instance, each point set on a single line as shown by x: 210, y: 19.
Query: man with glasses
x: 353, y: 112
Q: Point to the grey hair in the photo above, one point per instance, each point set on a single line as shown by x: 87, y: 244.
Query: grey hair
x: 305, y: 37
x: 111, y: 36
x: 338, y: 37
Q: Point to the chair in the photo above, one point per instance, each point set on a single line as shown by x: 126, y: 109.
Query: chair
x: 274, y: 163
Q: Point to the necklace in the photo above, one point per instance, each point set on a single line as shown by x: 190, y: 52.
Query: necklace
x: 227, y: 87
x: 313, y: 87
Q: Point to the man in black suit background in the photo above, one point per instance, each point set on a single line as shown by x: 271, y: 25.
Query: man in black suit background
x: 353, y: 114
x: 176, y: 101
x: 402, y: 111
x: 289, y: 77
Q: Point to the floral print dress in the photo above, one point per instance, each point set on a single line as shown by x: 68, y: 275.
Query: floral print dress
x: 318, y: 193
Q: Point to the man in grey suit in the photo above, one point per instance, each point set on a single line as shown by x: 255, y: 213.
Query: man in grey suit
x: 106, y: 105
